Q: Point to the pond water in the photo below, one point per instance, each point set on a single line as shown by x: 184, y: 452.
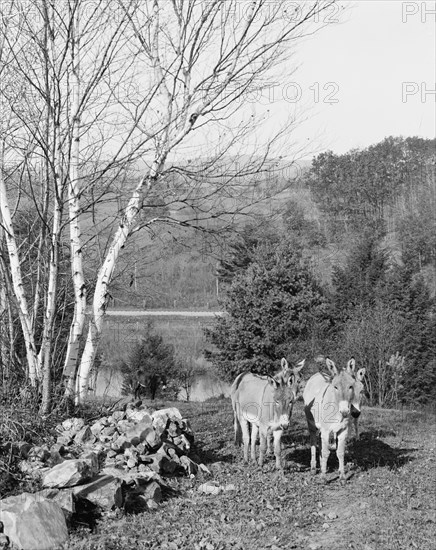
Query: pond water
x: 109, y: 383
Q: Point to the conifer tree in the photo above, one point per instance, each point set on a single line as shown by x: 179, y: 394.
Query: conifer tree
x: 149, y: 366
x: 274, y: 307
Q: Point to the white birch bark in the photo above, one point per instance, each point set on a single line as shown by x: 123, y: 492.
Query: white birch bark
x: 72, y: 355
x: 17, y: 281
x: 4, y: 348
x: 104, y: 278
x: 53, y: 106
x: 44, y: 356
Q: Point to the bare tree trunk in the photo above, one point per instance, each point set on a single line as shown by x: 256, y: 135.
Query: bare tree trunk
x: 4, y: 347
x: 45, y: 355
x: 105, y: 274
x: 72, y: 355
x: 17, y: 281
x: 54, y: 110
x: 8, y: 350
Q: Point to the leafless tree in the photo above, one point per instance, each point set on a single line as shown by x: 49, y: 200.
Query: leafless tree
x: 372, y: 337
x: 146, y: 100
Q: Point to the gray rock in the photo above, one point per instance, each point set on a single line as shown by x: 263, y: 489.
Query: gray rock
x: 39, y: 453
x: 163, y: 416
x: 162, y: 464
x: 191, y: 468
x: 63, y: 497
x: 182, y: 443
x: 109, y: 431
x: 104, y: 491
x: 124, y: 425
x: 139, y: 416
x: 64, y: 439
x: 151, y: 490
x: 132, y: 463
x: 73, y: 425
x: 209, y: 489
x: 152, y: 504
x: 97, y: 428
x: 138, y: 432
x: 84, y: 435
x: 205, y: 469
x: 55, y: 458
x: 118, y: 415
x: 33, y: 523
x: 92, y: 459
x: 171, y: 413
x: 68, y: 474
x: 120, y: 444
x: 128, y: 477
x: 152, y: 439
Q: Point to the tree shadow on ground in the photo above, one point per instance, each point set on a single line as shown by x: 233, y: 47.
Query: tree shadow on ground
x: 369, y: 451
x: 208, y: 453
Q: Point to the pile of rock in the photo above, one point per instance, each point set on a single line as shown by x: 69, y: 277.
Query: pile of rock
x: 135, y: 440
x: 115, y: 462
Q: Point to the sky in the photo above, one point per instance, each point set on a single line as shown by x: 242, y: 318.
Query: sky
x: 367, y: 77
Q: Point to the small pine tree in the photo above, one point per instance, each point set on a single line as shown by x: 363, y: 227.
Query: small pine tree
x: 150, y: 365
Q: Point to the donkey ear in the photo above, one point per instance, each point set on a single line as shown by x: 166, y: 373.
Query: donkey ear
x: 326, y: 375
x: 284, y: 364
x: 273, y: 382
x: 360, y: 374
x: 299, y: 366
x: 351, y: 366
x: 331, y: 367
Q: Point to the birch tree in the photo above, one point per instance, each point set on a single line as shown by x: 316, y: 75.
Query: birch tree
x: 199, y: 60
x: 44, y: 109
x: 161, y: 89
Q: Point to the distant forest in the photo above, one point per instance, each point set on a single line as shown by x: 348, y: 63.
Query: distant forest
x: 342, y: 264
x: 387, y: 188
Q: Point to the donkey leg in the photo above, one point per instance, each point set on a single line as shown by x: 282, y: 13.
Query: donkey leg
x: 278, y: 448
x: 245, y: 438
x: 325, y: 453
x: 254, y: 432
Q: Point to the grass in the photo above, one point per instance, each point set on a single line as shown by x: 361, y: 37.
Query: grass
x: 388, y: 502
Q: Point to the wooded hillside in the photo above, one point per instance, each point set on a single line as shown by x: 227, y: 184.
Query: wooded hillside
x: 388, y: 187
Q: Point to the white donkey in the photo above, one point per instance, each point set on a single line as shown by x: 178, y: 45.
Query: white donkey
x: 266, y: 403
x: 328, y: 400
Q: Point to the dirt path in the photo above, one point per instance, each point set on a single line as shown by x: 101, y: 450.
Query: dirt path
x: 339, y: 512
